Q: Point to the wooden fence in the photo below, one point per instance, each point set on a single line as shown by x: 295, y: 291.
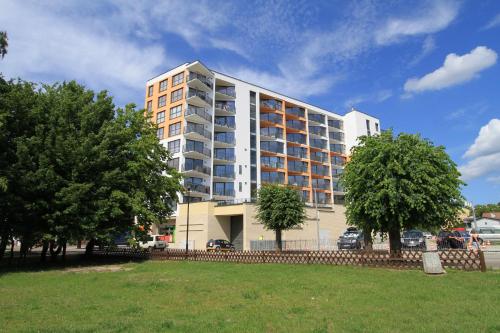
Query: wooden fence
x: 458, y: 259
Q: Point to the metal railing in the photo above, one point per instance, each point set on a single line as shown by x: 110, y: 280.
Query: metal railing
x: 198, y: 168
x: 198, y: 93
x: 201, y: 112
x: 206, y: 80
x: 196, y: 129
x: 199, y: 188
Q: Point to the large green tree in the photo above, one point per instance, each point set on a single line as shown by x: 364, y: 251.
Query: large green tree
x: 400, y: 182
x: 487, y: 208
x: 79, y: 167
x: 279, y: 208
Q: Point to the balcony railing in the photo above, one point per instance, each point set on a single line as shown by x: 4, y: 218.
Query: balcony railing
x: 338, y: 161
x: 225, y: 157
x: 317, y: 118
x: 200, y: 188
x: 192, y: 148
x: 336, y: 173
x: 271, y: 104
x: 197, y: 129
x: 201, y: 94
x: 323, y: 158
x: 321, y: 186
x: 225, y: 139
x: 274, y: 179
x: 225, y: 107
x: 272, y: 118
x: 322, y: 144
x: 272, y: 132
x: 316, y: 130
x: 339, y: 136
x: 297, y: 167
x: 296, y: 138
x: 296, y: 124
x: 338, y: 124
x: 201, y: 112
x: 198, y: 168
x: 274, y: 165
x: 337, y: 187
x: 302, y: 183
x: 228, y: 91
x: 323, y: 171
x: 301, y: 153
x: 295, y: 111
x: 224, y: 123
x: 223, y: 173
x: 206, y: 80
x: 224, y: 192
x: 271, y: 148
x: 337, y: 148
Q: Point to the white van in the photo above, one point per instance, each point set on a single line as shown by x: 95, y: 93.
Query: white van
x: 153, y: 242
x: 491, y: 233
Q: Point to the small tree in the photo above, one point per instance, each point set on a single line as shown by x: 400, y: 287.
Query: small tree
x: 279, y: 208
x: 394, y: 183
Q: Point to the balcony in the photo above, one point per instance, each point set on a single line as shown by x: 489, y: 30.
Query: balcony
x: 296, y: 138
x: 337, y: 148
x: 199, y: 81
x: 195, y: 170
x: 271, y: 104
x: 296, y: 152
x: 319, y: 157
x: 336, y: 173
x: 336, y: 124
x: 320, y: 144
x: 271, y: 147
x: 320, y: 171
x: 272, y: 165
x: 197, y: 188
x: 192, y: 151
x: 225, y: 109
x: 199, y: 96
x: 271, y: 133
x: 338, y: 161
x: 225, y: 92
x: 295, y: 111
x: 296, y: 125
x: 224, y: 158
x: 223, y: 174
x: 316, y: 118
x: 337, y: 187
x: 337, y: 136
x: 271, y: 118
x: 222, y: 123
x: 196, y: 132
x: 224, y: 192
x: 297, y: 167
x: 198, y: 114
x: 224, y: 140
x: 317, y: 131
x: 299, y: 183
x: 321, y: 185
x: 273, y: 177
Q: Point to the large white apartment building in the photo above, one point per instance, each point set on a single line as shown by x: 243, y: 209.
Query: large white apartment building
x: 228, y: 137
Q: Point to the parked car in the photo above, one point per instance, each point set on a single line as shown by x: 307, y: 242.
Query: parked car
x: 153, y: 242
x: 413, y: 239
x: 489, y: 233
x: 351, y: 239
x: 427, y: 235
x: 453, y: 239
x: 219, y: 245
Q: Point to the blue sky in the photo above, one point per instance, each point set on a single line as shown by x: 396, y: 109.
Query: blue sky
x: 421, y: 67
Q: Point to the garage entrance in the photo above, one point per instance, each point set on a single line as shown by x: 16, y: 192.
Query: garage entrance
x: 237, y: 232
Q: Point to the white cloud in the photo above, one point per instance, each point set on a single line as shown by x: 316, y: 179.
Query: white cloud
x: 484, y: 153
x: 495, y: 22
x: 428, y: 45
x: 430, y: 19
x: 455, y: 70
x: 487, y: 142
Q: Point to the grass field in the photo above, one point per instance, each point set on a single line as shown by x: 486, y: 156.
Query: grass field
x: 223, y: 297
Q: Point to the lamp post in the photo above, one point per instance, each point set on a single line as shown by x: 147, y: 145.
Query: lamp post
x: 188, y: 189
x: 317, y: 215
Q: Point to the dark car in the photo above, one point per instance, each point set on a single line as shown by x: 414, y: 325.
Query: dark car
x: 453, y: 239
x: 413, y: 239
x: 351, y: 239
x: 219, y: 245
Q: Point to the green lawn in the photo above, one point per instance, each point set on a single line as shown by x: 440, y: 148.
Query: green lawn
x: 224, y: 297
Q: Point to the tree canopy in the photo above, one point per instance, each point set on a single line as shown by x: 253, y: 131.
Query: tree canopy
x: 73, y: 166
x: 3, y: 43
x: 487, y: 208
x: 400, y: 182
x: 279, y: 208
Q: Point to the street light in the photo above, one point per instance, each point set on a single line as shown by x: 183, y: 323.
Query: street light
x: 188, y: 189
x: 317, y: 215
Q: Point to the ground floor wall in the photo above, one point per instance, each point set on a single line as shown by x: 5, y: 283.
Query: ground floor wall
x: 208, y: 221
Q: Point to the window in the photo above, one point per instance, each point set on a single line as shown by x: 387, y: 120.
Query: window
x: 163, y: 85
x: 241, y: 171
x: 192, y: 145
x: 253, y: 157
x: 368, y: 127
x: 174, y: 146
x: 150, y: 91
x: 226, y: 189
x: 160, y: 117
x: 159, y: 133
x: 162, y: 101
x: 176, y: 111
x: 376, y: 127
x: 240, y: 187
x: 178, y: 79
x: 176, y: 95
x: 173, y: 163
x: 253, y: 173
x: 149, y: 106
x: 174, y: 129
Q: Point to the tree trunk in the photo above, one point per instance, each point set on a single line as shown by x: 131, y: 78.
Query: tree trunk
x: 395, y: 241
x: 3, y: 244
x: 11, y: 258
x: 278, y: 245
x: 45, y: 248
x: 89, y: 248
x: 54, y: 251
x: 367, y: 239
x: 79, y: 244
x: 64, y: 242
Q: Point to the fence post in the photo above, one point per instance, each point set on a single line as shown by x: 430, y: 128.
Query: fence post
x: 482, y: 261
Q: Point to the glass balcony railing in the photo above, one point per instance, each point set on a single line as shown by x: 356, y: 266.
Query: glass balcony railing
x: 273, y: 177
x: 192, y: 148
x: 198, y: 168
x: 228, y: 107
x: 334, y: 123
x: 317, y: 118
x: 224, y: 192
x: 321, y: 144
x: 272, y: 132
x: 225, y: 122
x: 223, y: 173
x: 296, y: 138
x: 228, y: 91
x: 271, y: 104
x: 319, y: 157
x: 272, y: 146
x: 199, y: 188
x: 272, y: 118
x: 338, y: 160
x: 337, y: 187
x: 337, y: 148
x: 336, y: 173
x: 317, y: 130
x: 321, y: 185
x: 190, y: 128
x: 201, y: 112
x: 225, y: 156
x: 298, y: 181
x: 295, y: 111
x: 206, y: 80
x: 322, y: 171
x: 296, y: 124
x: 338, y: 136
x: 274, y: 165
x: 198, y: 93
x: 296, y: 152
x: 297, y: 167
x: 229, y: 139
